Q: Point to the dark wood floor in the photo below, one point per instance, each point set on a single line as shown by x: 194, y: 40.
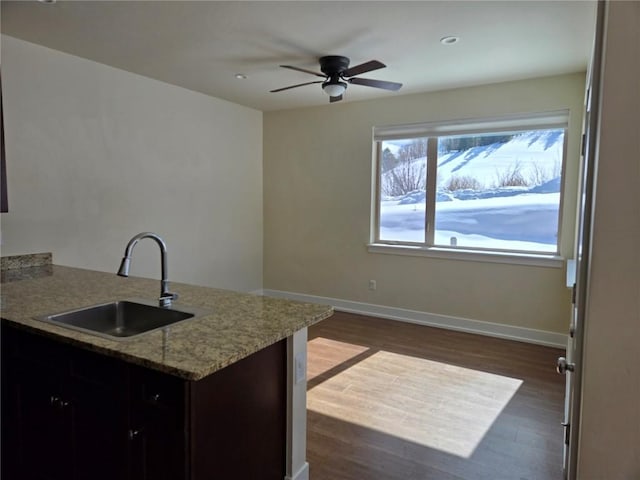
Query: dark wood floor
x: 394, y: 401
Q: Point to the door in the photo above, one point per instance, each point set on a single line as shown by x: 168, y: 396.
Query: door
x: 571, y: 365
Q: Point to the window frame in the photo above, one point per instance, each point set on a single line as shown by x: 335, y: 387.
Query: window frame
x: 558, y: 119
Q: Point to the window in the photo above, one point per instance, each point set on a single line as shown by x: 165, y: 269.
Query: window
x: 486, y: 186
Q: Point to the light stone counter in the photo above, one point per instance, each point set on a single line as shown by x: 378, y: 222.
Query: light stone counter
x: 237, y: 325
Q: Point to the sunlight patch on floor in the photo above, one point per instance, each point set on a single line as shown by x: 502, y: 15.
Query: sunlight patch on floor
x: 340, y: 353
x: 434, y: 404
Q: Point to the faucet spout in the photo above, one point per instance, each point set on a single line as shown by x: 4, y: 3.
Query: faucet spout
x: 165, y: 295
x: 123, y: 271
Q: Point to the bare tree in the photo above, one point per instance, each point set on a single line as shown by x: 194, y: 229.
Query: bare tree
x: 408, y: 176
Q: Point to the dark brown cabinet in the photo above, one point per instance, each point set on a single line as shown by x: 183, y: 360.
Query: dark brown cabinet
x: 66, y: 411
x: 72, y: 414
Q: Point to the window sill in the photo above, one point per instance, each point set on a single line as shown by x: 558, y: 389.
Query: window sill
x: 542, y: 260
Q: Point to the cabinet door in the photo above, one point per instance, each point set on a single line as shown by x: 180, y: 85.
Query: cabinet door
x: 157, y: 435
x: 98, y: 394
x: 36, y: 438
x: 44, y: 424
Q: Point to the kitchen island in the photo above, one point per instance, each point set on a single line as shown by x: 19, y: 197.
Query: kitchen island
x: 213, y: 396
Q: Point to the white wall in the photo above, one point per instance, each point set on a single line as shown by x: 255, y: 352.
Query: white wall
x: 317, y: 194
x: 609, y: 445
x: 96, y: 155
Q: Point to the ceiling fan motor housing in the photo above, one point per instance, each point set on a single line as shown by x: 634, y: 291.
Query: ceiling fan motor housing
x: 333, y: 65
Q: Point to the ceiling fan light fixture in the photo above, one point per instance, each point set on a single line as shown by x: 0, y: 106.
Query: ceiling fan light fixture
x: 334, y: 89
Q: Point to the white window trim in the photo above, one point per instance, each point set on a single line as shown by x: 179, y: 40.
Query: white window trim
x: 533, y: 121
x: 512, y: 258
x: 540, y: 120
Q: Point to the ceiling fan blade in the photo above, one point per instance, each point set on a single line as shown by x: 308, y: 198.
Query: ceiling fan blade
x: 335, y: 99
x: 368, y: 82
x: 290, y: 67
x: 294, y: 86
x: 363, y: 68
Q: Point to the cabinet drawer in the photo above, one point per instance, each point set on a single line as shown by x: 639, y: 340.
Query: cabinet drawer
x: 99, y: 370
x: 33, y: 351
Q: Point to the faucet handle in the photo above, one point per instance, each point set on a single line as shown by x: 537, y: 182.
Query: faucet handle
x: 166, y: 298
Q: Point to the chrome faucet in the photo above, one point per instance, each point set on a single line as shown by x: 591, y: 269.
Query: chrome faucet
x: 165, y: 295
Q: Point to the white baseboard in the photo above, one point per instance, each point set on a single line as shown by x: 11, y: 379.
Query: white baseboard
x: 302, y: 474
x: 529, y: 335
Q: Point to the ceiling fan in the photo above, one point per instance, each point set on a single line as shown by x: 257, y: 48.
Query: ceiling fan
x: 337, y: 75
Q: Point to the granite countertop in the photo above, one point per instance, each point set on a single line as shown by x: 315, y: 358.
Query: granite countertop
x: 235, y: 326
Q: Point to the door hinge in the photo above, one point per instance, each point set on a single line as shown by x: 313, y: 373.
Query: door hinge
x: 572, y: 328
x: 573, y: 294
x: 583, y: 146
x: 567, y: 432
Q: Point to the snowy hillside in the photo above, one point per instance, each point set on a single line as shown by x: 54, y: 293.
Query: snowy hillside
x: 532, y: 152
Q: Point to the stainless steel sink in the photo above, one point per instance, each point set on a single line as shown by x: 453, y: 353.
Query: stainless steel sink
x: 121, y: 319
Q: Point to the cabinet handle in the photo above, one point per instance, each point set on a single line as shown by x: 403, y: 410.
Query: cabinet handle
x: 134, y: 433
x: 58, y: 402
x: 155, y: 398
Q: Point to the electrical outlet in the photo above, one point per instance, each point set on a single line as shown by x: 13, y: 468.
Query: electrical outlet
x: 301, y: 367
x: 372, y: 285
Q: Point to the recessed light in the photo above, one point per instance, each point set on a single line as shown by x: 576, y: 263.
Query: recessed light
x: 48, y: 2
x: 450, y: 40
x: 241, y: 76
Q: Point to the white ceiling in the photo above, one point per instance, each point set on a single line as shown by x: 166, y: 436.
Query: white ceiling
x: 201, y: 45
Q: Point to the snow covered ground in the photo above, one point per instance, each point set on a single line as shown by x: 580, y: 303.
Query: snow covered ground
x: 522, y: 218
